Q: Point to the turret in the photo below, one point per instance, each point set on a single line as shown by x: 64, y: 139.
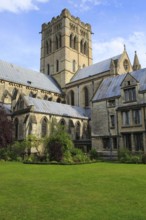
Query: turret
x: 136, y: 64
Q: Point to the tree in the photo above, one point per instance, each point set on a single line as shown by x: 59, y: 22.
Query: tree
x: 6, y: 128
x: 58, y: 142
x: 32, y: 142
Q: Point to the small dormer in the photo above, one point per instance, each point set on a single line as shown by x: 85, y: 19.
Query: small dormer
x: 128, y: 86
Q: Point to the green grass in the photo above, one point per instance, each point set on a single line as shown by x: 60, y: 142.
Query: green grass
x: 101, y: 191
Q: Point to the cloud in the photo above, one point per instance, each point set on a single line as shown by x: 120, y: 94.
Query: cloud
x: 85, y: 5
x: 134, y: 42
x: 16, y: 6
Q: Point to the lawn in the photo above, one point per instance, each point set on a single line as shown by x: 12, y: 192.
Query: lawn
x: 101, y: 191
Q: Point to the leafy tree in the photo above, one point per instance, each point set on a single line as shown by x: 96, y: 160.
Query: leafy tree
x: 32, y: 142
x: 6, y: 128
x: 58, y: 142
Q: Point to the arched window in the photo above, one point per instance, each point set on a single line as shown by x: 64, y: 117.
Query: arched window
x: 57, y: 45
x: 47, y: 47
x: 50, y: 46
x: 30, y: 128
x: 57, y: 65
x: 21, y: 131
x: 78, y: 130
x: 48, y: 69
x: 59, y: 100
x: 16, y: 125
x: 60, y: 41
x: 50, y: 99
x: 81, y: 46
x: 86, y: 97
x: 21, y: 103
x: 72, y: 97
x: 126, y: 64
x: 75, y: 43
x: 44, y: 127
x: 74, y: 66
x: 70, y: 126
x: 14, y: 93
x: 62, y: 122
x: 71, y: 40
x: 85, y: 48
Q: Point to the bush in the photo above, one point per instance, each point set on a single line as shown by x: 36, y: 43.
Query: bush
x: 67, y: 157
x: 17, y: 150
x: 58, y: 143
x: 94, y: 154
x: 79, y: 156
x: 136, y: 159
x: 55, y: 150
x: 144, y: 158
x: 124, y: 155
x: 4, y: 155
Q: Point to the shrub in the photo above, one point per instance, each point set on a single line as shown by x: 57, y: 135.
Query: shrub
x: 67, y: 157
x: 94, y: 154
x: 6, y: 128
x: 32, y: 142
x: 3, y: 154
x: 144, y: 158
x: 79, y: 156
x: 124, y: 155
x: 17, y: 150
x: 55, y: 150
x: 136, y: 159
x: 58, y: 143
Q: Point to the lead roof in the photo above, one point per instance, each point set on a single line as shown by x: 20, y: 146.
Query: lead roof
x: 111, y: 87
x: 94, y: 69
x: 12, y: 73
x: 54, y: 108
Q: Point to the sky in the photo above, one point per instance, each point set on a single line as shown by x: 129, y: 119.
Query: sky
x: 114, y: 23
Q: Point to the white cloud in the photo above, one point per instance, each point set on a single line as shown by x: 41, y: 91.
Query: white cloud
x: 85, y: 5
x: 135, y: 42
x: 16, y: 6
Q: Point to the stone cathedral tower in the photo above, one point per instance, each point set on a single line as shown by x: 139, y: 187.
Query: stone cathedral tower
x: 65, y: 47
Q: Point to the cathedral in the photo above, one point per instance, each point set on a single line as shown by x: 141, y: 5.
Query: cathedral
x: 102, y: 105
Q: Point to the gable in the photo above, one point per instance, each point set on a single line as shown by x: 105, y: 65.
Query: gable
x: 129, y: 80
x: 95, y: 69
x: 124, y: 64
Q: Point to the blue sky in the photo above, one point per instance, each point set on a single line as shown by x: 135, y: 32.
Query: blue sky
x: 114, y: 23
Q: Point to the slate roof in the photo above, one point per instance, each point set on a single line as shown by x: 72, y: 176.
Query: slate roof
x: 94, y: 69
x: 111, y: 87
x: 16, y: 74
x: 54, y: 108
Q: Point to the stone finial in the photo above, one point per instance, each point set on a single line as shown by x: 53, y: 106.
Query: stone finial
x: 65, y: 12
x: 136, y: 64
x: 124, y: 47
